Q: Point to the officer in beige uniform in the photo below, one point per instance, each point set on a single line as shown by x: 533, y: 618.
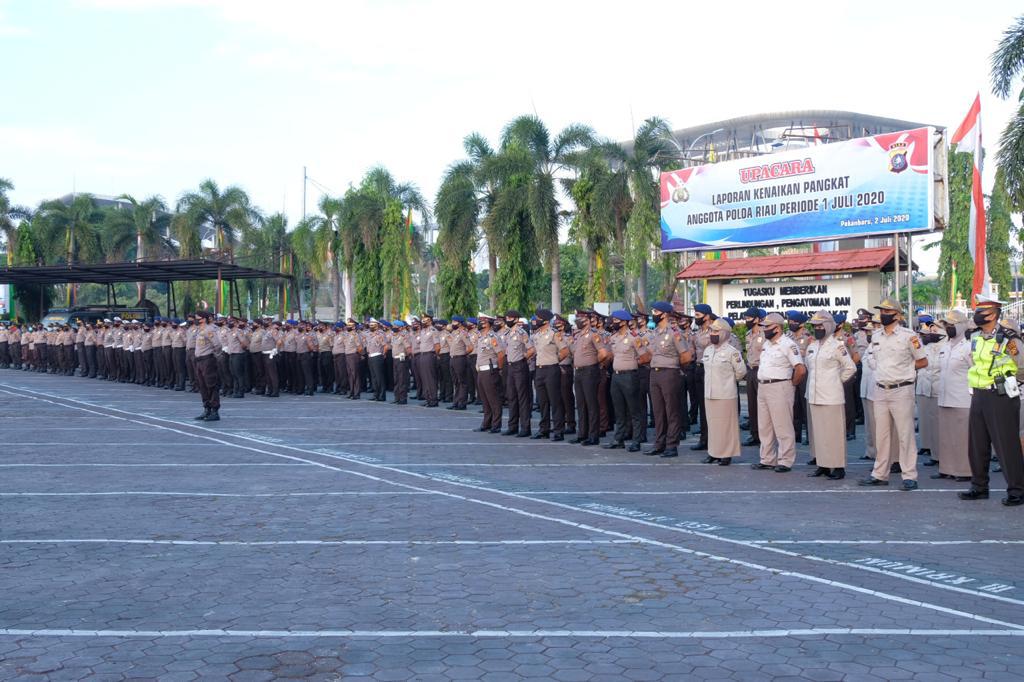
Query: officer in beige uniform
x: 376, y: 347
x: 208, y: 342
x: 896, y: 356
x: 429, y: 349
x: 780, y: 371
x: 549, y: 348
x: 752, y: 318
x: 461, y: 346
x: 517, y: 389
x: 954, y: 401
x: 628, y: 352
x: 490, y: 356
x: 723, y: 367
x: 829, y: 367
x: 586, y: 377
x: 401, y: 352
x: 670, y: 352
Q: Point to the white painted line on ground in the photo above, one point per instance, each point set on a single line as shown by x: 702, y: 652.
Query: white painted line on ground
x: 581, y: 526
x: 271, y: 543
x: 539, y: 465
x: 730, y: 492
x: 888, y: 542
x: 161, y: 464
x: 157, y: 493
x: 510, y: 634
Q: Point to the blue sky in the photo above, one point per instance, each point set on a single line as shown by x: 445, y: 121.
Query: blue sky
x: 152, y: 96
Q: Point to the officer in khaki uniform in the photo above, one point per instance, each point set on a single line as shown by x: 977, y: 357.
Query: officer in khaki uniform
x: 829, y: 368
x: 780, y: 371
x: 208, y: 343
x: 517, y: 389
x: 752, y: 318
x: 490, y: 356
x: 549, y: 349
x: 627, y: 352
x: 896, y: 356
x: 586, y: 377
x: 461, y: 346
x: 670, y: 352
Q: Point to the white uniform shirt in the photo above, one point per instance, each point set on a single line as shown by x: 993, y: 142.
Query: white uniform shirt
x: 954, y: 361
x: 778, y: 358
x: 723, y: 367
x: 829, y: 366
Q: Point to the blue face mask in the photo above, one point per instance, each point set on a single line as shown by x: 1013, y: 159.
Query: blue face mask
x: 651, y: 325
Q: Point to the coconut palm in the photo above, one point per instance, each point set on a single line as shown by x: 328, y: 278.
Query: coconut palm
x: 457, y: 208
x: 311, y: 267
x: 1007, y: 65
x: 9, y: 214
x: 143, y: 225
x: 325, y: 226
x: 549, y: 158
x: 218, y: 214
x: 70, y: 232
x: 266, y: 247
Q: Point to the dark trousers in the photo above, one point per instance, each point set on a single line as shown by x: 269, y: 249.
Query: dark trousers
x: 549, y: 399
x: 850, y: 389
x: 444, y: 376
x: 428, y: 375
x: 644, y: 375
x: 517, y: 395
x: 270, y: 374
x: 5, y: 357
x: 223, y: 367
x: 208, y: 376
x: 698, y: 396
x: 856, y: 394
x: 340, y: 373
x: 377, y: 380
x: 459, y: 391
x: 588, y: 421
x: 190, y: 365
x: 401, y: 380
x: 166, y: 366
x: 800, y: 408
x: 665, y: 386
x: 178, y: 358
x: 752, y: 401
x: 148, y: 377
x: 15, y: 351
x: 139, y: 371
x: 326, y: 371
x: 352, y: 369
x: 236, y: 364
x: 79, y: 351
x: 487, y: 389
x: 90, y: 361
x: 470, y: 379
x: 994, y: 422
x: 259, y: 372
x: 568, y: 397
x: 414, y: 367
x: 692, y: 394
x: 626, y: 400
x: 306, y: 361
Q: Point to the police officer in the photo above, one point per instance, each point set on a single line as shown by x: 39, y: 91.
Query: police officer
x: 752, y: 318
x: 627, y: 352
x: 829, y: 368
x: 586, y: 344
x: 517, y: 345
x: 490, y: 356
x: 781, y: 370
x: 208, y: 343
x: 995, y: 404
x: 670, y: 352
x: 430, y: 347
x: 896, y: 356
x: 549, y: 349
x: 954, y: 401
x: 796, y: 321
x: 703, y: 317
x: 723, y: 367
x: 376, y: 348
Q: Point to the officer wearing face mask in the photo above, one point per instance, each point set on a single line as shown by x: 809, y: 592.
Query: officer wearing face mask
x: 925, y: 390
x: 782, y: 369
x: 755, y: 341
x: 897, y: 354
x: 829, y: 367
x: 954, y: 400
x: 796, y: 321
x: 703, y: 316
x: 995, y: 404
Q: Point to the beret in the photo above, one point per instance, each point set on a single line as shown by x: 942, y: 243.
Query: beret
x: 622, y: 315
x: 458, y: 318
x: 796, y: 316
x: 703, y: 308
x: 839, y: 318
x: 662, y: 307
x: 544, y: 314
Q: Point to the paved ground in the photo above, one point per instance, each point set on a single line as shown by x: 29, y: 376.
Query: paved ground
x: 317, y: 537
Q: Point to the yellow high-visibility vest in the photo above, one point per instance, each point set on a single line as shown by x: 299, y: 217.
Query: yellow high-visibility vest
x: 990, y: 361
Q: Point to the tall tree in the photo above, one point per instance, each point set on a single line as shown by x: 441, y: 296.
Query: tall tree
x: 457, y: 208
x: 997, y: 243
x: 268, y: 247
x: 328, y: 244
x: 219, y: 214
x: 954, y: 255
x: 144, y: 225
x: 1007, y: 65
x: 549, y: 157
x: 9, y: 214
x: 70, y: 232
x: 33, y: 299
x: 311, y: 267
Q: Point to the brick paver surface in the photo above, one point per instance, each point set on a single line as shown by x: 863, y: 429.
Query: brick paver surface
x: 321, y: 538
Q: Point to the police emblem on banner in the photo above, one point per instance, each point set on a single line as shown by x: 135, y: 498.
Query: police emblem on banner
x: 680, y: 194
x: 898, y: 157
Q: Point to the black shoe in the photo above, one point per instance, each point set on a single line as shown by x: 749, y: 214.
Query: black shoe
x: 557, y: 437
x: 909, y: 485
x: 577, y: 441
x: 850, y: 436
x: 865, y: 457
x: 895, y: 468
x: 940, y: 475
x: 633, y: 447
x: 812, y: 462
x: 1013, y: 501
x: 509, y: 432
x: 708, y: 460
x: 482, y: 429
x: 820, y: 471
x: 921, y: 452
x: 973, y: 494
x: 569, y: 432
x: 203, y: 416
x: 538, y: 436
x: 781, y: 469
x: 696, y: 447
x: 725, y: 461
x: 450, y: 407
x: 752, y: 441
x: 613, y: 445
x: 590, y: 442
x: 837, y: 474
x: 523, y: 434
x: 961, y: 479
x: 871, y: 481
x: 654, y: 451
x: 930, y: 463
x: 758, y: 466
x: 669, y: 453
x: 214, y: 416
x: 495, y: 431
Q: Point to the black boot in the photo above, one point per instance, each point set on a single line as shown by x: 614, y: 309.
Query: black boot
x: 820, y: 471
x: 214, y: 416
x: 837, y: 474
x: 203, y: 416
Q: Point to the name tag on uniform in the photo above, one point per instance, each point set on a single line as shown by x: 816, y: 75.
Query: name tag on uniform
x: 373, y: 355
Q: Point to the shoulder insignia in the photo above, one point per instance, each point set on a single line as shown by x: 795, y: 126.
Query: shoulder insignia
x: 915, y: 341
x: 1011, y: 347
x: 796, y: 351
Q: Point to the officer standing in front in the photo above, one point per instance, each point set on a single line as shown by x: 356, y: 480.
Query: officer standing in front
x: 549, y: 348
x: 490, y: 354
x: 628, y: 353
x: 670, y: 352
x: 207, y: 374
x: 517, y: 389
x: 896, y: 356
x: 780, y: 372
x: 995, y: 404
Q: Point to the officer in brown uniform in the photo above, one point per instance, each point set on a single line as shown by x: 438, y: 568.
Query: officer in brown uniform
x: 585, y: 346
x: 271, y: 353
x: 444, y: 361
x: 669, y: 353
x: 567, y: 375
x: 703, y: 315
x: 549, y: 348
x: 208, y: 342
x: 460, y: 346
x: 490, y: 356
x: 628, y: 352
x: 376, y: 348
x: 430, y: 347
x: 401, y: 347
x: 517, y: 387
x: 237, y: 344
x: 325, y: 360
x: 190, y: 352
x: 752, y: 318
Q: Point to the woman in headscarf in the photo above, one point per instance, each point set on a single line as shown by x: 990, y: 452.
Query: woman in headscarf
x: 954, y: 402
x: 829, y: 366
x: 723, y: 367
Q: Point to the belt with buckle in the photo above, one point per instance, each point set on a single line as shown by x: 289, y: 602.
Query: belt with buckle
x: 891, y: 386
x: 624, y: 371
x: 770, y: 381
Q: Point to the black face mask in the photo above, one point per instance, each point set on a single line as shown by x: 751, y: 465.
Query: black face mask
x: 794, y: 326
x: 749, y: 324
x: 715, y: 338
x: 658, y: 318
x: 980, y: 318
x: 819, y: 333
x: 771, y: 333
x: 951, y: 332
x: 887, y: 318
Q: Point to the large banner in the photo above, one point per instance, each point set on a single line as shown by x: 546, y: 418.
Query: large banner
x: 871, y: 185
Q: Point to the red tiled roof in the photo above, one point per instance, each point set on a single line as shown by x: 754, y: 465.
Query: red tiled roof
x: 831, y: 262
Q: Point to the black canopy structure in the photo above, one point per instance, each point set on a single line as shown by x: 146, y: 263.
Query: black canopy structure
x: 140, y: 271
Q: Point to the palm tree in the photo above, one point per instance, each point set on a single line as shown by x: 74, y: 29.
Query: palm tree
x: 549, y: 158
x: 70, y: 231
x: 1007, y: 65
x: 220, y: 215
x: 303, y: 242
x: 10, y: 213
x: 457, y: 208
x: 145, y: 225
x: 267, y: 247
x: 327, y: 237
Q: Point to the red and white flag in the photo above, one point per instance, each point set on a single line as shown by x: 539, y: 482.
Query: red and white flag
x: 967, y: 138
